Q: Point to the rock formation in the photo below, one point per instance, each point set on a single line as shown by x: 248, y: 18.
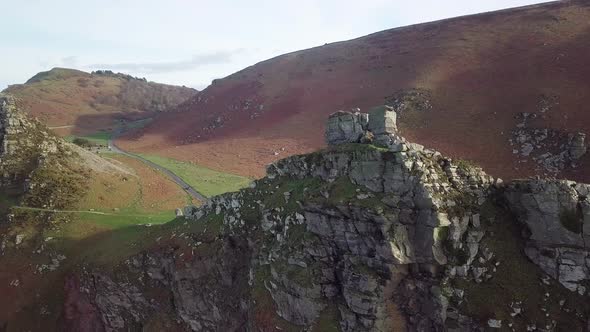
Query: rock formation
x: 23, y: 142
x: 557, y: 214
x: 577, y: 146
x: 552, y: 150
x: 380, y: 236
x: 379, y: 126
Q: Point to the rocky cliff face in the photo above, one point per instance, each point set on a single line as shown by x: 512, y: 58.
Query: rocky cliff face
x: 557, y: 215
x: 22, y: 142
x: 37, y: 170
x: 374, y: 236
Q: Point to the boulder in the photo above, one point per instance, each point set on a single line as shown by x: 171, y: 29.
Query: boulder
x: 382, y: 121
x: 577, y: 146
x: 556, y: 214
x: 346, y: 127
x: 379, y: 125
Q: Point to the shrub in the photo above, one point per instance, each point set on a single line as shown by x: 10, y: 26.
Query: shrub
x: 83, y: 142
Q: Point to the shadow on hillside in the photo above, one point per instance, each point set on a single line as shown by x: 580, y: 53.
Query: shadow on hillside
x: 89, y: 123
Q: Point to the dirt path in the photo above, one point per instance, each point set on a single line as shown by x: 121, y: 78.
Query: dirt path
x: 61, y: 127
x: 190, y: 190
x: 75, y: 211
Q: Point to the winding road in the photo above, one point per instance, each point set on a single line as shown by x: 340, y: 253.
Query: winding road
x: 190, y: 190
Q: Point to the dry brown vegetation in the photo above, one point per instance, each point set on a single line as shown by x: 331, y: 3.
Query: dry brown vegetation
x: 82, y: 103
x: 480, y: 71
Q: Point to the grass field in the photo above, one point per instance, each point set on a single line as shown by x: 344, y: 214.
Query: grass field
x: 207, y: 181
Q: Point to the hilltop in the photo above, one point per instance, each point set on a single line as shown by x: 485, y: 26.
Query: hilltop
x: 506, y: 89
x: 77, y: 102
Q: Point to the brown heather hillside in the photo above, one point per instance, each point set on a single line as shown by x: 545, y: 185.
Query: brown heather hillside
x: 80, y: 102
x: 478, y: 73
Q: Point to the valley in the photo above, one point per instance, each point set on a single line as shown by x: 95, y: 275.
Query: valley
x: 432, y: 177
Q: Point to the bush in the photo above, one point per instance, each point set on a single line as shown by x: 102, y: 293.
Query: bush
x: 83, y: 142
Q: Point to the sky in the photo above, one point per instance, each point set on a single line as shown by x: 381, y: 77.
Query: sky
x: 192, y: 42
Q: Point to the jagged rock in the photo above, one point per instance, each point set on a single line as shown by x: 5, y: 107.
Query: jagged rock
x: 556, y: 213
x: 382, y: 121
x: 495, y: 323
x: 577, y: 147
x: 346, y: 127
x: 410, y: 100
x: 378, y: 126
x: 18, y: 239
x: 552, y: 150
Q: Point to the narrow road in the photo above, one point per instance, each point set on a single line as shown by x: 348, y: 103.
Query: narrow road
x: 190, y: 190
x: 61, y: 127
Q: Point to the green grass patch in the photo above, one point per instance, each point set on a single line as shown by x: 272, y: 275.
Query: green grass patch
x: 106, y: 240
x: 116, y: 220
x: 342, y: 190
x: 101, y: 138
x: 465, y: 165
x: 298, y: 189
x: 357, y: 147
x: 206, y: 181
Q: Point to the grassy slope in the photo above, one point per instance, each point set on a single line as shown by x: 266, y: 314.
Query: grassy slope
x: 207, y: 181
x: 99, y: 138
x: 129, y: 201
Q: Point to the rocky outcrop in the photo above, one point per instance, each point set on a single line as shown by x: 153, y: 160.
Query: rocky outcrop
x: 346, y: 127
x: 552, y: 150
x: 557, y: 215
x: 410, y: 100
x: 577, y: 146
x: 380, y: 236
x: 355, y: 127
x: 408, y: 205
x: 37, y: 170
x: 24, y: 143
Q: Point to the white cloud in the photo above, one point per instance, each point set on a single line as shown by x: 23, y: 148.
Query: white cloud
x: 197, y: 61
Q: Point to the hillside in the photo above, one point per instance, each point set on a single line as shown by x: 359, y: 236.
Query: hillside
x: 82, y: 103
x: 481, y: 86
x: 373, y: 233
x: 52, y: 191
